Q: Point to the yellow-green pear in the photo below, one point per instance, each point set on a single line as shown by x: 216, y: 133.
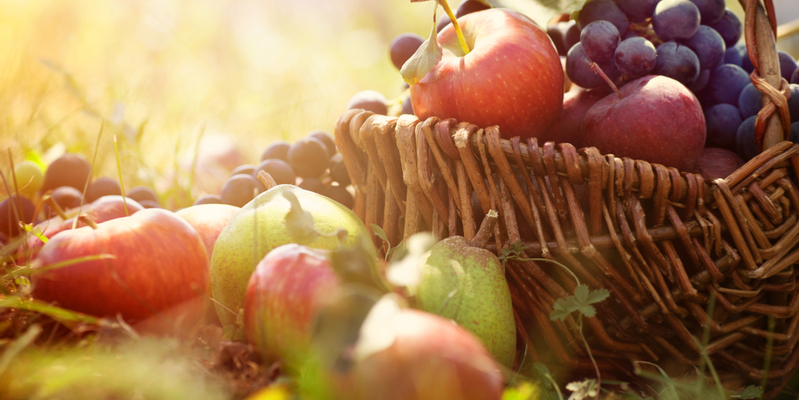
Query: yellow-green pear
x: 467, y: 284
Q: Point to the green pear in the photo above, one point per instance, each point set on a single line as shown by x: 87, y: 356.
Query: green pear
x: 261, y: 226
x: 467, y: 284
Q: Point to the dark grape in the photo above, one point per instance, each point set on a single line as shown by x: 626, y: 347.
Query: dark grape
x: 141, y: 193
x: 572, y: 34
x: 102, y: 186
x: 746, y: 139
x: 326, y: 139
x: 676, y: 19
x: 603, y: 10
x: 635, y: 57
x: 708, y: 45
x: 726, y: 83
x: 280, y: 171
x: 599, y: 40
x: 711, y: 11
x: 749, y: 101
x: 469, y: 7
x: 793, y: 101
x: 68, y: 170
x: 276, y: 150
x: 557, y: 36
x: 238, y: 190
x: 733, y: 55
x: 747, y: 64
x: 369, y: 100
x: 339, y: 171
x: 788, y: 65
x: 208, y: 199
x: 66, y: 197
x: 729, y: 27
x: 403, y: 47
x: 677, y: 62
x: 793, y: 133
x: 580, y: 71
x: 408, y: 108
x: 794, y: 77
x: 637, y: 10
x: 340, y: 194
x: 308, y: 158
x: 701, y: 82
x: 246, y: 169
x: 722, y: 122
x: 14, y: 209
x: 313, y: 185
x: 150, y: 204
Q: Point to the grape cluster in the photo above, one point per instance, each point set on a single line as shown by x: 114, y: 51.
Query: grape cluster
x: 695, y: 42
x: 312, y: 163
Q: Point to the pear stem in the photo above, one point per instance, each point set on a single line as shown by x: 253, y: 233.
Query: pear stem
x: 54, y: 205
x: 454, y: 20
x: 599, y: 71
x: 266, y: 179
x: 485, y: 231
x: 87, y: 220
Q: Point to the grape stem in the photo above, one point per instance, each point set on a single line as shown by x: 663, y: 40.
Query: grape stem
x: 599, y: 71
x: 453, y: 19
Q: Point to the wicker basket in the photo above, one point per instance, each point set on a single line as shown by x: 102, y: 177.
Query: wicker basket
x: 664, y: 242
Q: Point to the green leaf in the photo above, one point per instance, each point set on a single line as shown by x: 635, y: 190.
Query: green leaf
x: 512, y: 252
x: 582, y: 294
x: 561, y: 310
x: 750, y: 392
x: 596, y: 296
x: 425, y: 58
x: 299, y: 222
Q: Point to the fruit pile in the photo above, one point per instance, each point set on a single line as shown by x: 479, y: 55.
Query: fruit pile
x: 695, y: 42
x: 312, y: 163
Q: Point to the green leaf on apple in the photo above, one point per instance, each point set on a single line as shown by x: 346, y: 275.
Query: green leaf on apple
x: 299, y: 222
x: 425, y: 58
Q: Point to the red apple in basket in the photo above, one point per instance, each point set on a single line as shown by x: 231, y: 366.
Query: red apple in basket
x: 159, y: 262
x: 652, y: 118
x: 512, y: 76
x: 716, y: 163
x: 284, y: 294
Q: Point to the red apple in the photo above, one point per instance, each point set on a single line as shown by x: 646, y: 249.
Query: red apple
x: 284, y: 294
x: 512, y: 76
x: 655, y: 118
x: 431, y: 358
x: 103, y: 209
x: 567, y: 128
x: 159, y: 263
x: 208, y: 220
x: 716, y: 163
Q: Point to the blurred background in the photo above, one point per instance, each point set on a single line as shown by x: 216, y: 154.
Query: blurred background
x: 163, y: 73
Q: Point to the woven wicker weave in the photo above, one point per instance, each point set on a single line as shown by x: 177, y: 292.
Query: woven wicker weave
x: 663, y: 242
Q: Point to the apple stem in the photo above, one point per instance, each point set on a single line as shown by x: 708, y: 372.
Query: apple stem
x: 87, y: 220
x: 485, y: 231
x: 599, y: 71
x: 54, y: 205
x: 454, y: 20
x: 266, y: 179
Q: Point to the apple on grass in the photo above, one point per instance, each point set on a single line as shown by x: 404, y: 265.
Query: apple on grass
x: 155, y: 261
x: 510, y: 77
x: 208, y: 220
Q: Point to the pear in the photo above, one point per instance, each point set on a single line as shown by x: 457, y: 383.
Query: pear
x: 467, y: 284
x: 262, y: 225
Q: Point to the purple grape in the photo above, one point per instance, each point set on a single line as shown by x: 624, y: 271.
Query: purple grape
x: 746, y: 139
x: 677, y: 62
x: 14, y: 209
x: 676, y: 19
x: 733, y: 55
x: 580, y: 71
x: 557, y: 36
x: 369, y: 100
x: 280, y: 171
x: 208, y: 199
x: 747, y: 64
x: 339, y: 170
x: 788, y: 65
x: 603, y: 10
x: 726, y: 83
x: 635, y: 57
x: 749, y: 101
x: 312, y: 185
x: 469, y: 7
x: 246, y: 169
x: 276, y: 150
x: 701, y: 82
x: 408, y: 108
x: 403, y: 47
x: 637, y: 10
x: 340, y: 194
x: 326, y: 139
x: 794, y: 77
x: 722, y: 122
x: 150, y: 204
x: 238, y: 190
x: 68, y: 170
x: 67, y: 197
x: 793, y: 133
x: 102, y: 186
x: 599, y: 40
x: 729, y: 27
x: 793, y: 101
x: 140, y: 193
x: 710, y: 10
x: 708, y: 45
x: 308, y: 158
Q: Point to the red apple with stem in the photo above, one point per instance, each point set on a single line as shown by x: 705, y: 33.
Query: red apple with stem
x: 159, y: 262
x: 287, y: 289
x: 652, y: 118
x: 509, y: 74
